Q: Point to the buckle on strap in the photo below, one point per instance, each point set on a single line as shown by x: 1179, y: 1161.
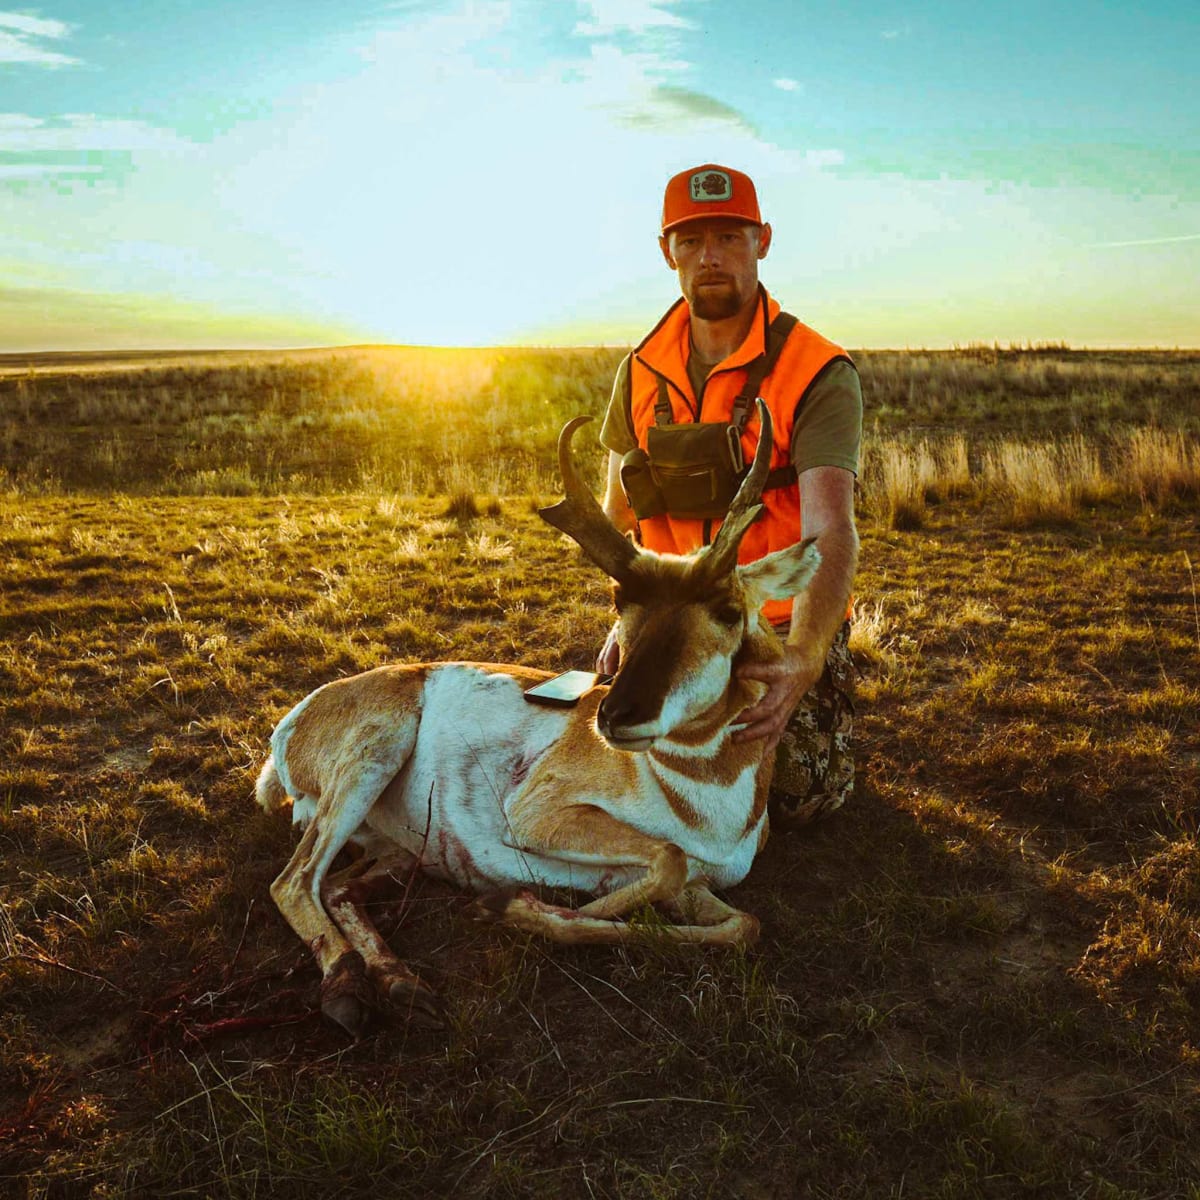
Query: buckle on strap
x: 736, y: 455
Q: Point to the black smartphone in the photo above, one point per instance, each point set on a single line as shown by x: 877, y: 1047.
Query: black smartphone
x: 564, y: 690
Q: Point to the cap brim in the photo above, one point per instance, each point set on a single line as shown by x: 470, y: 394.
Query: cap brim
x: 715, y: 216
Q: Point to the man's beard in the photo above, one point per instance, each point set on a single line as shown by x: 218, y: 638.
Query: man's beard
x: 715, y: 304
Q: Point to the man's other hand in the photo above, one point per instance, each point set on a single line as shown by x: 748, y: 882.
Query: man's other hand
x: 787, y: 681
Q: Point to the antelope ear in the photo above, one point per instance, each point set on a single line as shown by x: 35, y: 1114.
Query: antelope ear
x: 784, y: 573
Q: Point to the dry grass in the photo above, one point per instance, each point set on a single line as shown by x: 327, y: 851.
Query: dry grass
x: 1161, y: 465
x: 409, y: 420
x: 903, y: 479
x: 435, y: 422
x: 1059, y: 479
x: 1045, y: 480
x: 981, y: 979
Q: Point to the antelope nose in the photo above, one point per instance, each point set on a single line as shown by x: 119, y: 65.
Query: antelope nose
x: 616, y: 713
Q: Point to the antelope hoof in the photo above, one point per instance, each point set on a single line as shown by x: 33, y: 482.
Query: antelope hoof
x: 493, y: 907
x: 346, y: 994
x: 413, y: 999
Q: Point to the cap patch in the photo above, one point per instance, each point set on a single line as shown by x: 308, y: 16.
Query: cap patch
x: 711, y: 185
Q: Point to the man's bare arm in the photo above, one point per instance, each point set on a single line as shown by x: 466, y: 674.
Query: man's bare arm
x: 616, y: 507
x: 826, y: 513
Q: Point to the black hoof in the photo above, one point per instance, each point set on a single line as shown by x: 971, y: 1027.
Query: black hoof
x: 346, y: 994
x: 412, y: 1000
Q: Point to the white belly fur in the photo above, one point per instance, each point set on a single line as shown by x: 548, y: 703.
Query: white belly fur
x: 478, y: 741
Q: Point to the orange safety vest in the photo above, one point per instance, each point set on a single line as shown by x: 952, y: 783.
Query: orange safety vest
x: 662, y: 356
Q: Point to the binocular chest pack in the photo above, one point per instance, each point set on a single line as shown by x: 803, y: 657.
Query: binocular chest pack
x: 694, y: 469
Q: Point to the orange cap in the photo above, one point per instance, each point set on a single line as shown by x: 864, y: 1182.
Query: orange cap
x: 709, y: 191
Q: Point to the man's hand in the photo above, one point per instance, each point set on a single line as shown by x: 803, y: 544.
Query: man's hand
x: 787, y: 681
x: 609, y: 657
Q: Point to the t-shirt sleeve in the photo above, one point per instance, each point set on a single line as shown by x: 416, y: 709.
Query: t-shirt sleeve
x: 615, y: 433
x: 828, y: 427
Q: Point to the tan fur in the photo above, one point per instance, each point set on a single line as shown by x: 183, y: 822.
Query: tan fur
x: 339, y: 712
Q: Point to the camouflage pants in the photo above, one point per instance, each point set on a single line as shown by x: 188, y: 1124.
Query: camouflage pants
x: 814, y: 762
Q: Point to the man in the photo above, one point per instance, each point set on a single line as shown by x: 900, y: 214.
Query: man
x: 704, y: 362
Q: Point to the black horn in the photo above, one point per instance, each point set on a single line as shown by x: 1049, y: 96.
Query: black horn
x: 581, y: 518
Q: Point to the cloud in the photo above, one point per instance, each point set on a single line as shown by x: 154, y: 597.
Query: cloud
x: 1158, y: 241
x: 48, y: 318
x: 82, y: 132
x: 22, y: 171
x: 668, y: 106
x: 33, y: 26
x: 78, y: 147
x: 429, y: 26
x: 824, y: 158
x: 20, y: 36
x: 786, y: 85
x: 628, y: 16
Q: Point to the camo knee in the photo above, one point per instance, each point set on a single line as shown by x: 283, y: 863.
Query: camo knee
x: 814, y: 762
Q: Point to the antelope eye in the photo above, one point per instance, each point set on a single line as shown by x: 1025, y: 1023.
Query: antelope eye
x: 727, y: 614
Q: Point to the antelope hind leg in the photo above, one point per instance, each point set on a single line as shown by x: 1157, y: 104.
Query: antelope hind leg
x: 346, y: 994
x: 295, y: 893
x: 344, y: 895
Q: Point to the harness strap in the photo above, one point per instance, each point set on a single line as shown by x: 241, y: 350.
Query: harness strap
x: 780, y: 477
x: 759, y: 368
x: 662, y: 406
x: 756, y: 371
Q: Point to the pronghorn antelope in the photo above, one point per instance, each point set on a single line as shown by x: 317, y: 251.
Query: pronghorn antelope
x: 637, y: 795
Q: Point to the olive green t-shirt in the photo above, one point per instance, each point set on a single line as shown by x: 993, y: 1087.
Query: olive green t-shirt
x: 827, y: 431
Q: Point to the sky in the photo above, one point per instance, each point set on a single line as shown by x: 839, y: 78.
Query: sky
x: 273, y: 173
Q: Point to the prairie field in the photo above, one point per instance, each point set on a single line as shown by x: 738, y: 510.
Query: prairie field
x: 980, y: 979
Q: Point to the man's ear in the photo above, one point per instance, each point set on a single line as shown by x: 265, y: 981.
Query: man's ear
x: 783, y: 574
x: 764, y: 239
x: 664, y: 244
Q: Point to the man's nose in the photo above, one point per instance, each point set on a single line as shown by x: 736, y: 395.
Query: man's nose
x: 708, y: 249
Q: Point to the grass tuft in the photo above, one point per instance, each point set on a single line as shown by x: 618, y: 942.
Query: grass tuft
x: 462, y: 507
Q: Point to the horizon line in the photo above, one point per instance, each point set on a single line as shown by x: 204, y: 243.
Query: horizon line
x: 1050, y: 346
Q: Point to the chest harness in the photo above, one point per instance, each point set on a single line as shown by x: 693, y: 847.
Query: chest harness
x: 693, y: 469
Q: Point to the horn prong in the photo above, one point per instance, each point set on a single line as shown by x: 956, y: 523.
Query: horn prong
x: 746, y: 505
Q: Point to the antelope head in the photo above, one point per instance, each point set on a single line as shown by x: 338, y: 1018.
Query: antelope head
x: 684, y: 620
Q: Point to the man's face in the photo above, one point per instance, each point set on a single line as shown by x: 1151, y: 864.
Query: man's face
x: 717, y: 261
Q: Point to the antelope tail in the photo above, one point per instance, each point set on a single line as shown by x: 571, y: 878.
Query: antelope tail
x: 269, y: 791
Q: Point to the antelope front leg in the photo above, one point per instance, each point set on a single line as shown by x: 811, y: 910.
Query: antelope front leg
x: 698, y: 909
x: 586, y: 833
